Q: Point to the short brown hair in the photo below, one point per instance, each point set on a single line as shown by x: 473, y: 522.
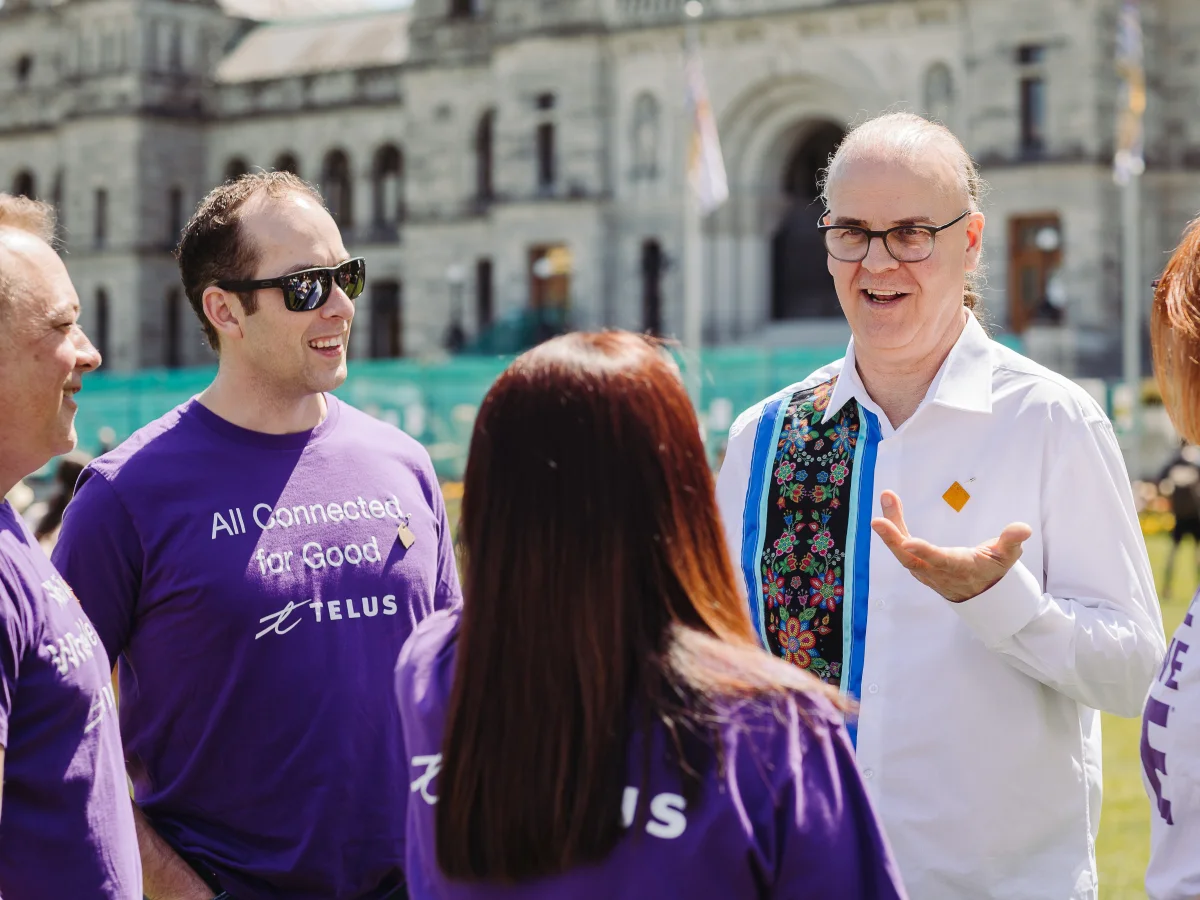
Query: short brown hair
x: 27, y: 215
x: 212, y: 247
x: 1175, y: 334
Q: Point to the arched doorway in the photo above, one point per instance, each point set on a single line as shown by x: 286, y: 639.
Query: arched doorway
x: 800, y: 284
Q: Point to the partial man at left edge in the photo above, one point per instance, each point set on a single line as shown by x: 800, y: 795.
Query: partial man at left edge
x: 66, y: 820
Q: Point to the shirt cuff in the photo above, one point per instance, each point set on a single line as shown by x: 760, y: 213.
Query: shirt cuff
x: 1004, y: 608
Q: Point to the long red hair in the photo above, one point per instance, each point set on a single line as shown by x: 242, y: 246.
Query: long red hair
x: 1175, y: 334
x: 596, y: 583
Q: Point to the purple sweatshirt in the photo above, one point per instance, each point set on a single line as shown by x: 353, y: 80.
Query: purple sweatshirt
x: 787, y: 816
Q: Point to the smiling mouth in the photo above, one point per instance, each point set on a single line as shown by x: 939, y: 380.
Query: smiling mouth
x: 327, y: 344
x: 883, y: 297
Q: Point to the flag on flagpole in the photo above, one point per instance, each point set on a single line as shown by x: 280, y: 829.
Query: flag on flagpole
x: 1130, y: 159
x: 706, y: 166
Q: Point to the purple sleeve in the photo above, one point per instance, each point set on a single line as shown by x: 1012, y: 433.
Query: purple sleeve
x: 100, y: 555
x: 13, y: 644
x: 447, y: 591
x: 830, y: 841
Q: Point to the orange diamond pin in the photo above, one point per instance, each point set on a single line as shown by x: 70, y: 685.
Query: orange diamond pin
x: 956, y: 495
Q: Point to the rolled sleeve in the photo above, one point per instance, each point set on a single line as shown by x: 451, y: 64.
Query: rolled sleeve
x: 1004, y: 608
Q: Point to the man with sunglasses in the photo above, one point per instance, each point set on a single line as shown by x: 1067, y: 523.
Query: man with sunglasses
x: 255, y: 559
x: 984, y: 624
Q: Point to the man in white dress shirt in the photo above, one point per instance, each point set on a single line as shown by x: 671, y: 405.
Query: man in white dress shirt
x: 1028, y: 602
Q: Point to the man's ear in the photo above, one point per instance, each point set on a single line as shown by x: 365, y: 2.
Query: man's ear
x: 975, y: 223
x: 224, y: 310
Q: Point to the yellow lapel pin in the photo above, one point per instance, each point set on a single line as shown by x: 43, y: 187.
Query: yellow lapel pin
x: 956, y: 495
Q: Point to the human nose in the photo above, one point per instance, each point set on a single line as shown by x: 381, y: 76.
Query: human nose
x: 87, y: 357
x: 878, y: 259
x: 339, y: 305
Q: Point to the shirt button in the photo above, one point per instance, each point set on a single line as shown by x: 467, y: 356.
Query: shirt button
x: 868, y: 773
x: 873, y: 689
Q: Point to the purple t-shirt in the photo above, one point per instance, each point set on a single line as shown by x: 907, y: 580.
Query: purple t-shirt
x: 257, y: 589
x: 787, y: 817
x: 66, y: 823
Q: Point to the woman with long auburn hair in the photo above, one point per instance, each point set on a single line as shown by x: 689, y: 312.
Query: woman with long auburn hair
x: 1171, y: 721
x: 597, y: 719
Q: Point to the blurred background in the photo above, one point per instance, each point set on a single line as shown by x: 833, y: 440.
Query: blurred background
x: 512, y: 168
x: 515, y: 168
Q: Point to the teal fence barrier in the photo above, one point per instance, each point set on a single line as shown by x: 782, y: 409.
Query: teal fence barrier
x: 436, y: 402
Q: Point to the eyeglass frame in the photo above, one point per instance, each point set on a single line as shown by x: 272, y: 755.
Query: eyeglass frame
x: 262, y: 284
x: 882, y: 235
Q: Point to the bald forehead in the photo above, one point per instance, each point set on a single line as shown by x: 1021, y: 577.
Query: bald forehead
x: 934, y: 164
x: 31, y: 273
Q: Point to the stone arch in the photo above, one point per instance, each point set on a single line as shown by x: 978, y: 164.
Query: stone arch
x: 762, y: 131
x: 800, y: 284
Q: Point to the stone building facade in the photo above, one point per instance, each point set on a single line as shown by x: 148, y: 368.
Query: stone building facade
x: 490, y: 157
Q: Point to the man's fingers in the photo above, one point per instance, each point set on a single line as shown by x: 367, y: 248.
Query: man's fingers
x: 893, y: 540
x: 1015, y: 534
x: 1008, y: 545
x: 893, y: 510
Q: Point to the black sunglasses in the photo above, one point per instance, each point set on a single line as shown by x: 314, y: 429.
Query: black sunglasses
x: 309, y: 289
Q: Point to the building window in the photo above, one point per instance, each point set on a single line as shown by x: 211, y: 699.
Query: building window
x: 485, y: 310
x: 652, y: 273
x: 1033, y: 116
x: 545, y: 101
x: 1034, y: 259
x: 236, y: 168
x: 545, y: 157
x: 174, y: 215
x: 25, y: 185
x: 100, y: 219
x: 23, y: 70
x: 100, y: 333
x: 550, y: 277
x: 337, y: 187
x: 175, y: 49
x: 388, y: 186
x: 387, y: 334
x: 286, y: 162
x: 939, y: 94
x: 1030, y: 54
x: 484, y: 139
x: 174, y: 316
x: 463, y: 9
x: 647, y: 124
x: 153, y: 32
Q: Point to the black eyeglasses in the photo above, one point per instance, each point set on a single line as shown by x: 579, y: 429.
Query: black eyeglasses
x: 309, y: 289
x: 906, y: 243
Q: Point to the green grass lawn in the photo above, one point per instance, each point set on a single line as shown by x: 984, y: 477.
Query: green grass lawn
x: 1124, y: 845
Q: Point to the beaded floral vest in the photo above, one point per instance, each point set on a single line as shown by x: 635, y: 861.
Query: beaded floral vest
x: 802, y: 558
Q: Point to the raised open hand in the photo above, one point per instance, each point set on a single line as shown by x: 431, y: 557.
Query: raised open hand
x: 957, y: 573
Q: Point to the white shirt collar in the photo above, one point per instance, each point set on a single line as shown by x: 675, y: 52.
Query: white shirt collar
x: 963, y: 382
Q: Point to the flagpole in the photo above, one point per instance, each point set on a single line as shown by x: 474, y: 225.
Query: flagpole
x: 1131, y: 314
x: 1128, y: 166
x: 692, y: 326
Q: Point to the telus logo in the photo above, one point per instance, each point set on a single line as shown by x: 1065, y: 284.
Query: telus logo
x: 666, y: 821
